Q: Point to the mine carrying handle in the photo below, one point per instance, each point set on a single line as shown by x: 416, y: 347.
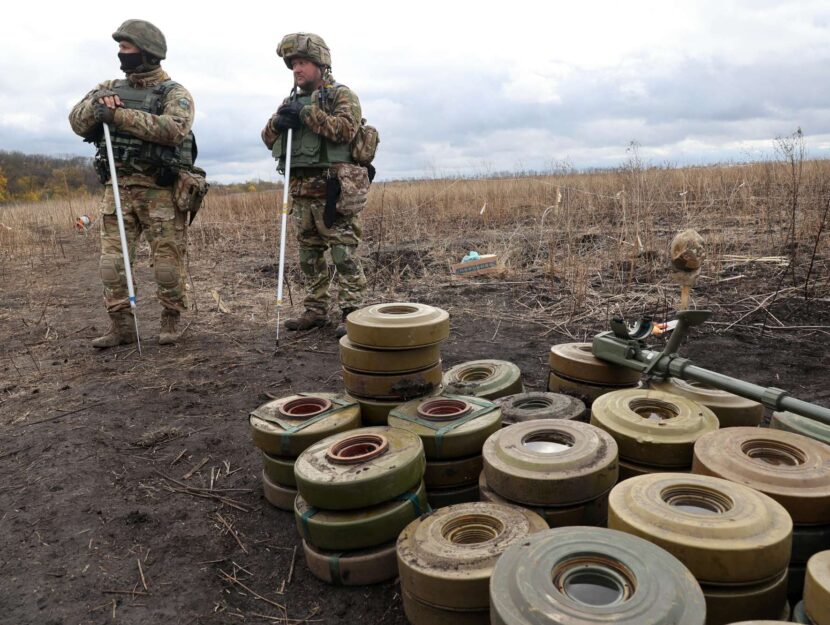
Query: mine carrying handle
x: 626, y: 351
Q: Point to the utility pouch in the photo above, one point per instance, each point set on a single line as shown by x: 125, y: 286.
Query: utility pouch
x: 333, y: 190
x: 354, y: 188
x: 189, y: 191
x: 365, y: 144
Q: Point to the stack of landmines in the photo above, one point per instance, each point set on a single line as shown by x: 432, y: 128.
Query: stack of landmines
x: 654, y: 431
x: 445, y: 560
x: 791, y: 469
x: 561, y: 469
x: 592, y: 575
x: 731, y: 410
x: 453, y: 429
x: 391, y: 354
x: 285, y: 427
x: 488, y: 379
x: 574, y: 370
x: 734, y: 539
x: 357, y: 492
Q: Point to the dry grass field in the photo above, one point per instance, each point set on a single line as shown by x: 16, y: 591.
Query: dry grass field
x: 93, y: 530
x: 586, y: 244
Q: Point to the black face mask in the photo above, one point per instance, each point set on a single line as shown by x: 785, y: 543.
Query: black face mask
x: 130, y: 61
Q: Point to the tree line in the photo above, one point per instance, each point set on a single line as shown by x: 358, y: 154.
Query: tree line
x: 36, y: 177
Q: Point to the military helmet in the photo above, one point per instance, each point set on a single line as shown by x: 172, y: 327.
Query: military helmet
x: 144, y: 35
x: 306, y: 46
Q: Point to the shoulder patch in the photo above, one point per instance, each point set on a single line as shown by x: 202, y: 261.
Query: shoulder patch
x: 184, y: 103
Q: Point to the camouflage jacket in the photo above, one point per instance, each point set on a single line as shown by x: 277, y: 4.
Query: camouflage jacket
x: 169, y: 128
x: 338, y: 121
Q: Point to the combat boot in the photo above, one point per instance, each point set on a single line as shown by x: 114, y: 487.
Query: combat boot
x: 168, y: 334
x: 121, y: 332
x: 309, y: 319
x: 340, y: 330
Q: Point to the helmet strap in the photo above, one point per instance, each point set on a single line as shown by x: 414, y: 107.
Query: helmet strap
x: 149, y: 62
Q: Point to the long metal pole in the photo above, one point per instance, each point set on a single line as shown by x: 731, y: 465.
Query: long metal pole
x: 283, y: 224
x: 619, y: 352
x: 774, y: 399
x: 125, y: 251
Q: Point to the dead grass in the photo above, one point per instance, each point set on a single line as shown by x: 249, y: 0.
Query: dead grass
x: 586, y: 236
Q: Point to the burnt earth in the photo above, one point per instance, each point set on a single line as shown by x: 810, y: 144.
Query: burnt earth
x: 98, y: 448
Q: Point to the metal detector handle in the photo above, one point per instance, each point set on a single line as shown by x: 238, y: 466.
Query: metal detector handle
x: 686, y: 319
x: 125, y: 251
x: 283, y: 225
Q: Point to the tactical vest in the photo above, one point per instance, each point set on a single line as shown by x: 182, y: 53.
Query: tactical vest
x: 161, y: 161
x: 310, y: 150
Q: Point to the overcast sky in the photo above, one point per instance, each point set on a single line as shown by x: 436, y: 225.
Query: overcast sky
x: 455, y: 88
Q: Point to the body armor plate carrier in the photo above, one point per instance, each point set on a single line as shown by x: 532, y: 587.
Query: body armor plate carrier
x: 162, y: 162
x: 310, y: 151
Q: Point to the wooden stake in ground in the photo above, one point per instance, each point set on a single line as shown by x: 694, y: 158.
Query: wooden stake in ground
x: 688, y: 251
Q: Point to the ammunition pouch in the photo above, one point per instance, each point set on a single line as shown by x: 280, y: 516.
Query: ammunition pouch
x: 190, y: 190
x: 364, y: 146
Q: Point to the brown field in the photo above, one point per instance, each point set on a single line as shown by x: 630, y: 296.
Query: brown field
x: 85, y: 436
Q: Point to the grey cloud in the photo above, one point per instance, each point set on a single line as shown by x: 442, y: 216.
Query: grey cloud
x: 457, y: 120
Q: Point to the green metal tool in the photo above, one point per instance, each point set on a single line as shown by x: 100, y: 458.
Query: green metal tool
x: 625, y: 346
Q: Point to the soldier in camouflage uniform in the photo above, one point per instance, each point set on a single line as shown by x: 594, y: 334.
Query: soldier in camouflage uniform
x: 328, y: 189
x: 150, y: 118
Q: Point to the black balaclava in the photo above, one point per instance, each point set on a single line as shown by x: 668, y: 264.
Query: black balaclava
x: 130, y: 61
x: 138, y: 62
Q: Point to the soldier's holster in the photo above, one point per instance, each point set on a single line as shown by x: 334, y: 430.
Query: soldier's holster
x: 332, y: 195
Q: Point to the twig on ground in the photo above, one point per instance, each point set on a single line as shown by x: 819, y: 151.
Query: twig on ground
x: 233, y: 580
x: 291, y: 568
x: 178, y: 436
x: 190, y: 473
x: 125, y: 592
x: 241, y: 568
x: 205, y: 494
x: 232, y: 532
x: 60, y: 416
x: 141, y: 573
x: 179, y: 457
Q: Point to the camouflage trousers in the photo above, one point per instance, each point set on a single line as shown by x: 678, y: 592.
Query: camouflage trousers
x: 341, y: 240
x: 149, y: 211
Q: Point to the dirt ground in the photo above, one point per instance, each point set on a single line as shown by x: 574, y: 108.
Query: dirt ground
x: 91, y: 529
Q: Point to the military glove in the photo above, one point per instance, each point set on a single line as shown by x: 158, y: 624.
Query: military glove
x: 291, y: 111
x: 292, y: 107
x: 102, y: 113
x: 284, y: 122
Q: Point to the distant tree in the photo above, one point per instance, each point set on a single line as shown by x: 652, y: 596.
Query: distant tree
x: 32, y: 177
x: 4, y: 182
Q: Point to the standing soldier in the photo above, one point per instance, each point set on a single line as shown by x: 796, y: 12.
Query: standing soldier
x: 328, y: 188
x: 150, y: 117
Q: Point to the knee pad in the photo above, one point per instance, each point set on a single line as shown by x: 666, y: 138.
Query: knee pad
x: 167, y: 273
x: 312, y: 262
x: 343, y: 257
x: 111, y: 268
